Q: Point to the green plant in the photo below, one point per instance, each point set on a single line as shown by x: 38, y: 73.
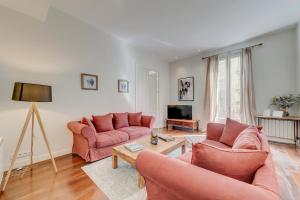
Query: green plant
x: 285, y: 102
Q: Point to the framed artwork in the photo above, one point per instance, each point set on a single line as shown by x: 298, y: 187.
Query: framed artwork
x: 89, y: 82
x: 123, y: 86
x: 186, y: 89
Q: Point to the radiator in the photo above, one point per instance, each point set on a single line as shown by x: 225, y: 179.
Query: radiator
x: 279, y: 130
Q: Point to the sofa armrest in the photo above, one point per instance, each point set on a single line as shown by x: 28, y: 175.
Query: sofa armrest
x: 170, y: 178
x: 148, y: 121
x: 214, y: 131
x: 86, y: 131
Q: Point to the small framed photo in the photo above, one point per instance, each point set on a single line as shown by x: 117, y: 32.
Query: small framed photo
x: 277, y: 113
x: 267, y: 113
x: 89, y: 82
x: 123, y: 86
x: 186, y: 89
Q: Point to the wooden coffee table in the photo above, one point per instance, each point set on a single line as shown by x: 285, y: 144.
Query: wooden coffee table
x: 130, y: 157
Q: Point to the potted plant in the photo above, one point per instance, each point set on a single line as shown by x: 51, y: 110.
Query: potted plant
x: 285, y: 102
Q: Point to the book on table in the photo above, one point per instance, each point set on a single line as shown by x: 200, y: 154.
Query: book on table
x: 133, y: 147
x: 166, y: 138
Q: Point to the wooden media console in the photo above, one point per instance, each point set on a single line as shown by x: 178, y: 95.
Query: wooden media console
x: 192, y: 124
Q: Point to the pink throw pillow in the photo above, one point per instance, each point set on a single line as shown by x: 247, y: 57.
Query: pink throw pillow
x: 238, y: 164
x: 88, y: 122
x: 147, y: 121
x: 103, y: 122
x: 231, y: 130
x: 120, y: 120
x: 135, y: 119
x: 248, y: 139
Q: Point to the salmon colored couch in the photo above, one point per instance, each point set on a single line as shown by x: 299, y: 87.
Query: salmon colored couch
x: 92, y: 145
x: 177, y: 179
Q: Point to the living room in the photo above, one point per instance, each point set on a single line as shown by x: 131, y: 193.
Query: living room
x: 130, y: 66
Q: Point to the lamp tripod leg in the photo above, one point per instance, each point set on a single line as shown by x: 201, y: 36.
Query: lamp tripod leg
x: 35, y: 110
x: 30, y: 112
x: 31, y: 143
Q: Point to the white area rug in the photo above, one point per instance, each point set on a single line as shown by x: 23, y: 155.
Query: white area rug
x: 117, y: 184
x: 286, y: 167
x: 121, y: 183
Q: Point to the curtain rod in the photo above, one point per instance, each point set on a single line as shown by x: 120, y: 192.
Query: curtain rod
x: 256, y: 45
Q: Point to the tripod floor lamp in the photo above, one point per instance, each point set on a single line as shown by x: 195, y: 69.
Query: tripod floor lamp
x: 31, y: 93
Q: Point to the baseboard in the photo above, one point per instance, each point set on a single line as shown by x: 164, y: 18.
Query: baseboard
x: 38, y: 158
x: 281, y: 140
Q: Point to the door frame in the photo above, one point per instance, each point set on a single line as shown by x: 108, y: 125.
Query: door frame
x: 148, y: 69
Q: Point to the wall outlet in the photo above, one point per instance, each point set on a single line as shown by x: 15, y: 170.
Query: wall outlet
x: 23, y: 155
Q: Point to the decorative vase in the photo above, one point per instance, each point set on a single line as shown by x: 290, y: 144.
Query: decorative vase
x: 154, y: 138
x: 285, y: 112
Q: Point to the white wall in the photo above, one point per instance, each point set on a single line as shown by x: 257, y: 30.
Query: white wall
x: 274, y: 68
x: 55, y: 52
x: 185, y: 68
x: 298, y: 56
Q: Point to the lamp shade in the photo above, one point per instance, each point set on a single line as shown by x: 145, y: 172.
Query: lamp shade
x: 32, y: 92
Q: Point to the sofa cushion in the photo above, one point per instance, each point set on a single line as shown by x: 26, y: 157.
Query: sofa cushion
x: 88, y: 122
x: 103, y: 122
x: 216, y: 144
x: 110, y: 138
x: 187, y: 157
x: 231, y: 130
x: 135, y: 131
x: 239, y: 164
x: 135, y: 119
x: 147, y: 121
x: 248, y: 139
x: 120, y: 120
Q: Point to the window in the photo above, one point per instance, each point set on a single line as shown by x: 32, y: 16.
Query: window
x: 222, y: 90
x: 229, y: 87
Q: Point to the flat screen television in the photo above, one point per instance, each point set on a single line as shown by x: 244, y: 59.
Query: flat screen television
x: 180, y: 112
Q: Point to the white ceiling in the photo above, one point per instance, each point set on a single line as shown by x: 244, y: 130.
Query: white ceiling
x: 180, y: 28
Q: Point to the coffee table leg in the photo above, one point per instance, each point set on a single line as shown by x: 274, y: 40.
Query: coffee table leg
x: 114, y: 161
x: 141, y: 180
x: 183, y: 149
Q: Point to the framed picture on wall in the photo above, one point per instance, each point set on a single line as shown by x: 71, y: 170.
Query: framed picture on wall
x: 89, y: 82
x: 123, y: 86
x: 186, y: 89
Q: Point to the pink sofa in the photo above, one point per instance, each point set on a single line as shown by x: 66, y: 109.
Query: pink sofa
x: 92, y: 146
x: 176, y: 179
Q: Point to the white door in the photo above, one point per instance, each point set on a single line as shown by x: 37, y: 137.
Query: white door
x: 147, y: 93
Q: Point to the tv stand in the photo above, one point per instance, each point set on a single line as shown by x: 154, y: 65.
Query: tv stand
x: 192, y: 124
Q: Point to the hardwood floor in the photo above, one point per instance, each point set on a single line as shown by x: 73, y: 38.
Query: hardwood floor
x: 42, y: 183
x: 72, y: 183
x: 287, y: 163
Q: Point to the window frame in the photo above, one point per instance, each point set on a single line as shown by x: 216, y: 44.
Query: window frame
x: 228, y: 56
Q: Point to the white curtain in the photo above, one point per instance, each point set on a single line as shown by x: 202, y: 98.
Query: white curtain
x: 248, y: 105
x: 210, y: 99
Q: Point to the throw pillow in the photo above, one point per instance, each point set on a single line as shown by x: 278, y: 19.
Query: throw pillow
x: 231, y: 130
x: 88, y: 122
x: 238, y: 164
x: 135, y: 119
x: 120, y: 120
x: 103, y: 122
x: 248, y: 139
